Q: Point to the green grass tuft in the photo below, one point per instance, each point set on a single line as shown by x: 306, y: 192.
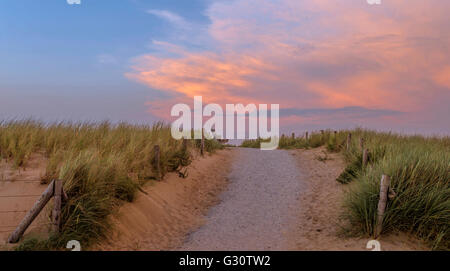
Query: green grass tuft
x: 101, y: 165
x: 419, y: 168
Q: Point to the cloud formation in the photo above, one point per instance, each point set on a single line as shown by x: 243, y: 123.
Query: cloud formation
x: 313, y: 54
x: 171, y: 17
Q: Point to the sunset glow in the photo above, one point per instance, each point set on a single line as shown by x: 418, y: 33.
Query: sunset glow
x: 304, y: 55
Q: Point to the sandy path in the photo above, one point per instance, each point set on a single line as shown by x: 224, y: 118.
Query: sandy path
x: 257, y: 212
x: 284, y: 200
x: 320, y: 209
x: 160, y: 218
x: 273, y: 200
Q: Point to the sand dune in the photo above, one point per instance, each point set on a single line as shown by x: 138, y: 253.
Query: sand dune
x: 170, y: 209
x: 19, y: 190
x: 320, y: 208
x: 297, y: 205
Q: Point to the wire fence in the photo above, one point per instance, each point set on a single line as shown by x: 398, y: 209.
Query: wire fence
x: 54, y: 190
x: 18, y: 196
x: 11, y: 228
x: 7, y: 212
x: 19, y: 181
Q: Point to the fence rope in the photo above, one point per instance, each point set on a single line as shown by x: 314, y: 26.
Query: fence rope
x: 38, y: 225
x: 19, y: 181
x: 11, y: 228
x: 18, y: 196
x: 18, y: 211
x: 54, y: 189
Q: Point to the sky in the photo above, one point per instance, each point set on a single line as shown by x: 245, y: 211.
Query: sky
x: 328, y: 64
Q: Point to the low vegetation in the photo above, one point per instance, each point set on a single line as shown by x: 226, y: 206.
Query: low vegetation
x: 100, y: 164
x: 419, y: 168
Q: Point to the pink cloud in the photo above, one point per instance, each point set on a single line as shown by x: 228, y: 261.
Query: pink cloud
x: 313, y: 54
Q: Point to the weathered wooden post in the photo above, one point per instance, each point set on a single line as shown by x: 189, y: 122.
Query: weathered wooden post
x: 349, y: 139
x: 364, y: 157
x: 293, y: 135
x: 32, y: 214
x: 184, y: 144
x: 361, y: 143
x: 306, y: 136
x: 157, y: 153
x: 384, y: 188
x: 56, y: 214
x: 202, y: 147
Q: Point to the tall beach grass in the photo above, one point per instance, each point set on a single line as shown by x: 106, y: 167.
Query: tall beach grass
x: 419, y: 168
x: 101, y: 165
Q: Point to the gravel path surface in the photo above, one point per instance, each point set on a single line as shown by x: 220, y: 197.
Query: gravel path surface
x: 258, y: 210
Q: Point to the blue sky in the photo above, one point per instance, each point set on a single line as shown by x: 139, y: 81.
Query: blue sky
x: 327, y: 63
x: 68, y: 61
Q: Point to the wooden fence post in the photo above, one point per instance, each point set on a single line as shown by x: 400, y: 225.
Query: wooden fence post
x: 306, y: 136
x: 293, y: 135
x: 202, y: 147
x: 32, y: 214
x: 364, y: 157
x: 349, y: 139
x: 56, y: 215
x: 384, y: 188
x: 184, y: 144
x: 157, y: 153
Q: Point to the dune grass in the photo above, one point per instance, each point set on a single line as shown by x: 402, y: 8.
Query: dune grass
x: 285, y: 142
x: 101, y: 165
x: 419, y: 168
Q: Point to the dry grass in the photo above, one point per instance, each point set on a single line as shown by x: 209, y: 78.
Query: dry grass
x: 101, y: 165
x: 420, y: 174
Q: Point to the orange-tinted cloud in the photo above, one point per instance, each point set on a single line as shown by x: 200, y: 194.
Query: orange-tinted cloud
x: 442, y: 77
x: 313, y: 54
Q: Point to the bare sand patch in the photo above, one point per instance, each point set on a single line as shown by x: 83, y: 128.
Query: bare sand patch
x: 321, y: 206
x: 162, y: 216
x: 19, y: 190
x: 259, y: 207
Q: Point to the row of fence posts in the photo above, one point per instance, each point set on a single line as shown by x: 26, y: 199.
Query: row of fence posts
x: 55, y: 189
x: 322, y: 132
x: 385, y: 191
